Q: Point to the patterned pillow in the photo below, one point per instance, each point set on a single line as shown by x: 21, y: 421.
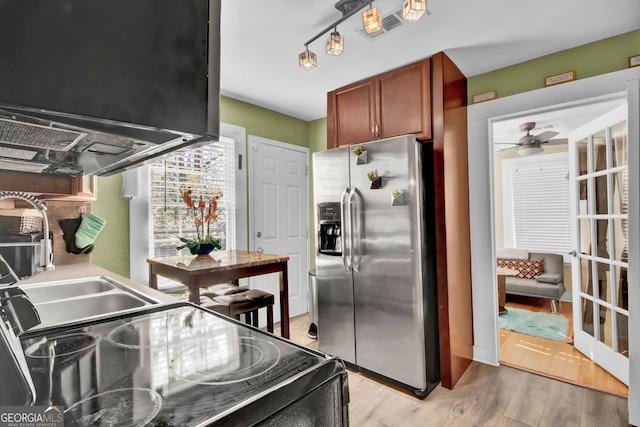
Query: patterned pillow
x: 528, y: 268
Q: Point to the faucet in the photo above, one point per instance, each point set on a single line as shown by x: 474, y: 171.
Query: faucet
x: 46, y: 249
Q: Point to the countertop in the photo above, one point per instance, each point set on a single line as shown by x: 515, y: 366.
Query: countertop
x: 77, y: 271
x: 221, y: 260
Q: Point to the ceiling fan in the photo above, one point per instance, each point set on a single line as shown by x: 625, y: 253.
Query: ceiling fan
x: 530, y: 144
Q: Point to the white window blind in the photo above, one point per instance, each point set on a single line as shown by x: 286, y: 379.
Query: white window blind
x: 537, y: 203
x: 207, y: 171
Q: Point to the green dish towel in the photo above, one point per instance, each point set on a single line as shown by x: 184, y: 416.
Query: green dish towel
x: 89, y: 229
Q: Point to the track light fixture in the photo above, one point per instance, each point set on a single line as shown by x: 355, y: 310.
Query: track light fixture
x: 413, y: 9
x: 307, y: 59
x: 371, y: 20
x: 335, y: 43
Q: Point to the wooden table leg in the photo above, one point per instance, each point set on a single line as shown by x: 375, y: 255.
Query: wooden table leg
x: 194, y: 294
x: 284, y: 301
x: 502, y: 293
x: 153, y: 278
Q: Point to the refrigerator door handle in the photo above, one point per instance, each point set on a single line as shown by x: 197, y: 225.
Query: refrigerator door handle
x: 346, y: 242
x: 354, y: 265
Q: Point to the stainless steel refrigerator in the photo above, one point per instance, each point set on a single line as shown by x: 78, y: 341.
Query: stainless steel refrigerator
x: 375, y: 260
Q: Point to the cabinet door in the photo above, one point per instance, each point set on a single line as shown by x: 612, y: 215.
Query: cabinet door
x: 351, y: 114
x: 405, y: 101
x: 50, y: 187
x: 35, y: 183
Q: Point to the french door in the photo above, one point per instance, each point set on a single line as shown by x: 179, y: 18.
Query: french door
x: 598, y: 152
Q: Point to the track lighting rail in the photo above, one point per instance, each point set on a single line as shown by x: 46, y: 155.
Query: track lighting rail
x: 348, y: 9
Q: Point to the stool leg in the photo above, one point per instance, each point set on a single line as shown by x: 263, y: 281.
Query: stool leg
x: 254, y: 317
x: 270, y: 318
x: 247, y: 318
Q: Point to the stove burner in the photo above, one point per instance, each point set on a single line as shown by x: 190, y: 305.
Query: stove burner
x: 251, y: 358
x: 122, y: 407
x: 63, y: 345
x: 165, y: 328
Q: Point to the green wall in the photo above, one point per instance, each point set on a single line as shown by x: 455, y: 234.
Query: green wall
x: 600, y: 57
x: 262, y: 122
x: 113, y: 253
x: 111, y: 250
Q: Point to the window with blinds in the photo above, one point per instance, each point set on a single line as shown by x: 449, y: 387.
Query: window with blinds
x: 536, y: 203
x: 208, y: 171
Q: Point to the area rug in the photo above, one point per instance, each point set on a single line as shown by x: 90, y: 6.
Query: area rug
x: 543, y: 325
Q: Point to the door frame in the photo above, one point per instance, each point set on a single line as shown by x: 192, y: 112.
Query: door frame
x: 481, y: 199
x: 253, y: 139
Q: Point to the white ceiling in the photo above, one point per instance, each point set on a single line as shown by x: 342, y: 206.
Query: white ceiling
x: 261, y: 40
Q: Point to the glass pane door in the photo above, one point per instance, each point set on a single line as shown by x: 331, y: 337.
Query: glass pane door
x: 599, y: 155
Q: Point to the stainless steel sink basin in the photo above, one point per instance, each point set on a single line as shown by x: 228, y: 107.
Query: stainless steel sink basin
x: 73, y: 309
x: 67, y: 301
x: 43, y: 292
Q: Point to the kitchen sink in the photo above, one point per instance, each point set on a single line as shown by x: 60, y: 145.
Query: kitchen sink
x: 74, y: 309
x: 68, y: 301
x: 51, y: 291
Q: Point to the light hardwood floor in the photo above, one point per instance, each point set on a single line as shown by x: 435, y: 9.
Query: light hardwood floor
x: 485, y: 396
x: 555, y: 359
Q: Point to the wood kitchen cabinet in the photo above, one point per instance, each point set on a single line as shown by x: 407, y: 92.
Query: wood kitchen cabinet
x: 51, y: 187
x: 394, y: 103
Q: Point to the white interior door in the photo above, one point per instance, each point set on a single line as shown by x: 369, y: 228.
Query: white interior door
x: 600, y: 228
x: 279, y: 216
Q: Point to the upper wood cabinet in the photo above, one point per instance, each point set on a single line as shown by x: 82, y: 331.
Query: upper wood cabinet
x: 51, y: 187
x: 395, y: 103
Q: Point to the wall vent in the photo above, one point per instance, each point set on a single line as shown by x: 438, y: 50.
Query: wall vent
x: 390, y: 21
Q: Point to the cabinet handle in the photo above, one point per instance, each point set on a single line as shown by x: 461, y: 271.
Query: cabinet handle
x: 373, y: 131
x: 377, y: 134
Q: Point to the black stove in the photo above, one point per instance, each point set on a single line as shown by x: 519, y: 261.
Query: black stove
x: 181, y: 365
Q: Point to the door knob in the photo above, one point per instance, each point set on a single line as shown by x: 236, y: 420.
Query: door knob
x: 260, y: 249
x: 573, y: 253
x: 259, y: 234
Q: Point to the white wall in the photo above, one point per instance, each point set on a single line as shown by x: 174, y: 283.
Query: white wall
x: 480, y: 116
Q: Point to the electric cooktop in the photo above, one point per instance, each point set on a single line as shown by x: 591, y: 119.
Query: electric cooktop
x: 171, y: 365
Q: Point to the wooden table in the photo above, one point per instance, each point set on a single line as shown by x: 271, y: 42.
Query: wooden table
x: 222, y: 267
x: 502, y: 273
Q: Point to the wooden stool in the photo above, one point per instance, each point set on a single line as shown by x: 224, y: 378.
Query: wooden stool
x: 185, y: 298
x: 222, y: 290
x: 247, y: 302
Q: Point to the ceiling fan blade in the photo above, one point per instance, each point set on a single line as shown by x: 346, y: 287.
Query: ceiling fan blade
x: 545, y: 136
x: 559, y: 141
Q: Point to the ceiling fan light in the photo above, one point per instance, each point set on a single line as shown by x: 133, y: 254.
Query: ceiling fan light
x: 528, y: 150
x: 371, y: 20
x: 413, y: 9
x: 335, y: 43
x: 307, y: 60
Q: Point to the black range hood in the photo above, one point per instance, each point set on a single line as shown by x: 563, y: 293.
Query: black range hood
x: 98, y: 87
